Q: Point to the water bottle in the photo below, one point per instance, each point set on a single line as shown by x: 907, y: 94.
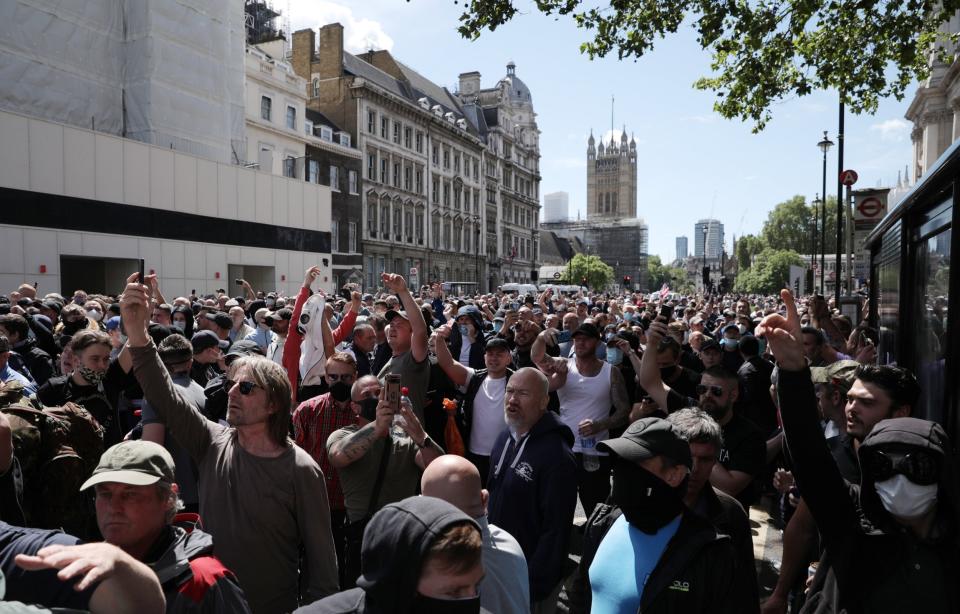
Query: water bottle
x: 588, y: 447
x: 399, y: 422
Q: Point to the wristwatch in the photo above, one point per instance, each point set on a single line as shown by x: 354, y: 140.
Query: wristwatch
x: 427, y: 442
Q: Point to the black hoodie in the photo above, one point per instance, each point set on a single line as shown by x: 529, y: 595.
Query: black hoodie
x: 870, y: 563
x: 533, y: 496
x: 394, y: 545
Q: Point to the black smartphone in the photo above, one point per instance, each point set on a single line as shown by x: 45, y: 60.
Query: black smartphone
x: 666, y: 312
x: 140, y: 272
x: 393, y: 391
x: 346, y: 293
x: 239, y: 282
x: 193, y: 292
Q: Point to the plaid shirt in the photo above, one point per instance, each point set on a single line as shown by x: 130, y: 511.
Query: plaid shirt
x: 313, y: 422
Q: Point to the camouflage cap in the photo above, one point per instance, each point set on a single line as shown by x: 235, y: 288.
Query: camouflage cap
x: 841, y: 373
x: 137, y: 462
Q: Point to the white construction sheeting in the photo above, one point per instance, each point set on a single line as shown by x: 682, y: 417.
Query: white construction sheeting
x: 166, y: 72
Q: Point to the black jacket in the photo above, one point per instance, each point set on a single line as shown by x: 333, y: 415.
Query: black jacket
x: 755, y: 401
x: 869, y: 561
x: 29, y: 360
x: 394, y: 545
x: 533, y: 496
x: 477, y: 349
x: 695, y: 574
x: 727, y: 515
x: 465, y: 408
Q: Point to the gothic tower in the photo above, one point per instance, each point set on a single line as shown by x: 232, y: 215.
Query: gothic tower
x: 612, y: 178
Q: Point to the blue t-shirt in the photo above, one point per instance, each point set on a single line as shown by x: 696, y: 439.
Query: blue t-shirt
x: 617, y: 586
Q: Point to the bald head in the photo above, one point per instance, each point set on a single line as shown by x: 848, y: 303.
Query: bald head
x: 455, y: 480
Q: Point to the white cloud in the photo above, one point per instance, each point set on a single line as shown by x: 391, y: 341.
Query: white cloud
x: 895, y: 130
x: 359, y: 33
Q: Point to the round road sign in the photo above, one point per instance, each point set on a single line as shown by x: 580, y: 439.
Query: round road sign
x: 556, y: 275
x: 848, y: 177
x: 870, y: 207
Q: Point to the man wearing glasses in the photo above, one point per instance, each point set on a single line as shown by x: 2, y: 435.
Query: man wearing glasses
x: 261, y: 497
x: 319, y: 417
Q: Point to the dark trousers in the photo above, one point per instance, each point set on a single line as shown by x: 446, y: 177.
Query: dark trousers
x: 482, y: 463
x: 593, y: 486
x: 337, y: 520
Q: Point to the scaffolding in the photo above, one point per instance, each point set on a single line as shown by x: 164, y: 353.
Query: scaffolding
x: 260, y: 20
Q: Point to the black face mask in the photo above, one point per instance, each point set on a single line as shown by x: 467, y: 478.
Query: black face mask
x: 432, y: 605
x: 647, y: 502
x: 340, y: 391
x: 666, y: 373
x: 72, y: 327
x: 368, y: 409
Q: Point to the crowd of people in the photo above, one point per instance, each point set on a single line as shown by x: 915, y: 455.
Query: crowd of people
x: 413, y: 452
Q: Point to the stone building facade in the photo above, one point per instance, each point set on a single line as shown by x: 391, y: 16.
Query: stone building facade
x: 612, y: 179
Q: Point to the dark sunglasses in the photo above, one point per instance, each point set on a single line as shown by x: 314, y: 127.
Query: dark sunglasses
x: 337, y: 377
x: 245, y: 387
x: 919, y: 467
x: 716, y: 391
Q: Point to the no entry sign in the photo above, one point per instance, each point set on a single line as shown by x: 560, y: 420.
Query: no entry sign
x: 848, y: 177
x: 870, y: 207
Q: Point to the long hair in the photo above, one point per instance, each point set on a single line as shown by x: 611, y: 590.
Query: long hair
x: 271, y: 377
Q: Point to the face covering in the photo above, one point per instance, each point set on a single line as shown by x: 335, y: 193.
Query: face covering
x: 432, y: 605
x: 497, y: 326
x: 614, y: 356
x: 340, y: 391
x: 72, y: 327
x: 368, y: 409
x: 906, y: 499
x: 464, y: 330
x: 271, y: 303
x: 179, y: 325
x: 742, y: 328
x: 94, y: 377
x: 648, y: 502
x: 730, y: 343
x: 666, y: 373
x: 95, y: 315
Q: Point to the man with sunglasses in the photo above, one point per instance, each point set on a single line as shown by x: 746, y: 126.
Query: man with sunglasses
x: 889, y: 543
x: 315, y: 420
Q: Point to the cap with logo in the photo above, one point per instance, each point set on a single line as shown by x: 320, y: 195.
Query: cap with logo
x: 648, y: 438
x: 841, y: 373
x: 137, y: 462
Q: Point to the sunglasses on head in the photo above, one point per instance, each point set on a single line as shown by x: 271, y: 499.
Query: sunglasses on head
x: 920, y: 467
x: 245, y: 387
x: 716, y: 391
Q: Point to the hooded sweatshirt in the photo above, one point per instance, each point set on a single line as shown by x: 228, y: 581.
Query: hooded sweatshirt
x: 533, y: 496
x: 395, y: 543
x: 870, y: 562
x: 478, y: 347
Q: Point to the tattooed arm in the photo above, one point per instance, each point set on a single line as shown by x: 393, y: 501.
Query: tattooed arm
x: 348, y: 449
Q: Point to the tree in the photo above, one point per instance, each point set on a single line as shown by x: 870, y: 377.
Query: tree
x: 770, y: 272
x: 790, y: 225
x: 747, y: 247
x: 595, y: 272
x: 658, y: 274
x: 763, y: 52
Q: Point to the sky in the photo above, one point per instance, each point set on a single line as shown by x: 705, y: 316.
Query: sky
x: 692, y: 163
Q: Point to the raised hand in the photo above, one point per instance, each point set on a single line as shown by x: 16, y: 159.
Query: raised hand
x: 783, y: 335
x: 393, y: 282
x: 135, y: 309
x: 310, y: 276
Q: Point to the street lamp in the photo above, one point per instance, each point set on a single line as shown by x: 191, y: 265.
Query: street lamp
x: 476, y: 249
x: 824, y: 146
x: 816, y: 218
x: 706, y: 274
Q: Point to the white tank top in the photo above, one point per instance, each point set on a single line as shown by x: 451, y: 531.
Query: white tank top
x: 585, y: 398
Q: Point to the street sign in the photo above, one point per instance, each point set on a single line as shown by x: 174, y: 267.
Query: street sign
x: 413, y: 270
x: 556, y: 275
x: 848, y: 177
x: 870, y: 207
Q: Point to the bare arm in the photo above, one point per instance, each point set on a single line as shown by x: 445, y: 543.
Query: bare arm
x: 418, y: 341
x: 649, y: 373
x: 621, y: 403
x: 353, y: 446
x: 155, y: 432
x: 248, y: 290
x: 730, y: 482
x: 539, y: 349
x: 457, y: 373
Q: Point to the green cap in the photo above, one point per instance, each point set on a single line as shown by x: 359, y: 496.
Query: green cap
x: 841, y: 373
x: 138, y: 462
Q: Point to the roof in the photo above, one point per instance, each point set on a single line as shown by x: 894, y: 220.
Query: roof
x: 319, y: 118
x: 490, y: 116
x: 428, y: 88
x: 357, y: 67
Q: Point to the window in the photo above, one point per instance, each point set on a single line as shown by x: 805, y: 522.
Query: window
x: 456, y: 162
x: 352, y: 181
x: 265, y: 107
x: 326, y: 133
x: 418, y: 183
x: 308, y: 127
x: 435, y: 231
x: 335, y: 178
x: 372, y: 167
x: 456, y: 198
x: 384, y: 126
x: 436, y: 190
x: 407, y: 137
x: 476, y: 202
x: 446, y: 194
x: 436, y: 155
x: 289, y: 167
x: 385, y: 221
x: 419, y: 228
x: 408, y: 178
x: 372, y: 122
x: 446, y: 235
x: 383, y: 171
x: 457, y: 233
x: 370, y: 283
x: 316, y: 87
x: 419, y: 142
x: 334, y: 236
x: 352, y: 237
x: 345, y: 139
x: 408, y: 226
x: 291, y: 118
x: 476, y: 170
x: 446, y: 158
x: 372, y: 219
x: 313, y: 170
x: 396, y: 132
x: 396, y: 174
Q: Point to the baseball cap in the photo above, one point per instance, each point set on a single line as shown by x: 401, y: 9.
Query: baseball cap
x: 393, y: 313
x: 174, y: 356
x: 587, y: 329
x: 497, y: 343
x: 841, y: 373
x: 279, y: 314
x: 113, y: 323
x: 648, y: 438
x: 136, y: 462
x: 206, y: 339
x: 367, y: 297
x: 219, y: 318
x: 244, y: 347
x: 709, y: 344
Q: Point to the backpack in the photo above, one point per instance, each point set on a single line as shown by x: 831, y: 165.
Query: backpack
x: 57, y: 448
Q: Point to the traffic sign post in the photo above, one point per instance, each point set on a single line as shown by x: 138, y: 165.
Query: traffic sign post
x: 849, y: 177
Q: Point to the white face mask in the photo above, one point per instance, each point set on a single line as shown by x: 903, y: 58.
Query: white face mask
x: 180, y: 325
x: 95, y: 315
x: 906, y: 499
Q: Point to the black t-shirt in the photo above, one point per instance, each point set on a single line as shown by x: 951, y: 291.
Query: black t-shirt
x: 744, y: 449
x: 686, y: 382
x: 37, y: 587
